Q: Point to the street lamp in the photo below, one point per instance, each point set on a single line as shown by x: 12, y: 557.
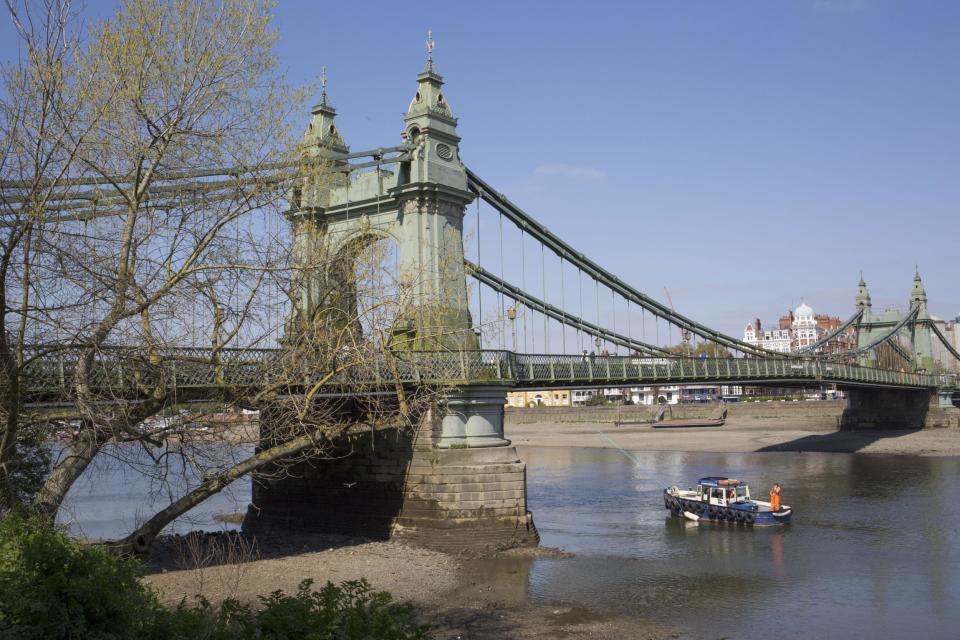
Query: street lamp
x: 597, y: 342
x: 512, y: 315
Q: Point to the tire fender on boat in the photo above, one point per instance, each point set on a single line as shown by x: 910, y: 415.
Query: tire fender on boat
x: 728, y: 513
x: 750, y: 518
x: 714, y: 512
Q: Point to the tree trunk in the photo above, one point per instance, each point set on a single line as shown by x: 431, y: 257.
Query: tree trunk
x: 139, y: 541
x: 80, y: 453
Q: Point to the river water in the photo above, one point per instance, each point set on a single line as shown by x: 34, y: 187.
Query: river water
x: 121, y: 488
x: 873, y: 551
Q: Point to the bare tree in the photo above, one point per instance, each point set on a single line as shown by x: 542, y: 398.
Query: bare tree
x: 126, y: 240
x: 44, y: 121
x: 341, y: 371
x: 138, y: 231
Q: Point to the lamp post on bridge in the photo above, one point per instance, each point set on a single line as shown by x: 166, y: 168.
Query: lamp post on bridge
x: 512, y: 315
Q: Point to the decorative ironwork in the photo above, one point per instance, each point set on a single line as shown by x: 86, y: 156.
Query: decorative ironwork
x: 127, y: 372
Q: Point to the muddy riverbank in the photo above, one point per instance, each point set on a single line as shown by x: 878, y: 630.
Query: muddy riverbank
x: 480, y: 598
x: 767, y: 426
x: 460, y: 597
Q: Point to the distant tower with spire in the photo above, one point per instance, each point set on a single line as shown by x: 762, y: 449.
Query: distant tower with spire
x: 922, y: 334
x: 863, y: 296
x: 918, y: 296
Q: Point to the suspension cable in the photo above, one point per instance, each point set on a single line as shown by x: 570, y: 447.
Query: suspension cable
x: 519, y: 295
x: 523, y: 220
x: 503, y: 312
x: 563, y: 306
x: 523, y: 283
x: 596, y: 288
x: 580, y: 328
x: 543, y: 292
x: 480, y: 289
x: 613, y: 311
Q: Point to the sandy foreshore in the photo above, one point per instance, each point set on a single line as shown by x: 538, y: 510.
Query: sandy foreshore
x: 767, y: 427
x: 459, y: 597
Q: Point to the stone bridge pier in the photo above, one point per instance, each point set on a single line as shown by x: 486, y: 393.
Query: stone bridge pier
x: 885, y: 409
x: 454, y: 484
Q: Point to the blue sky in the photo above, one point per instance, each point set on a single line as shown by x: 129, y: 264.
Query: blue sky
x: 745, y: 154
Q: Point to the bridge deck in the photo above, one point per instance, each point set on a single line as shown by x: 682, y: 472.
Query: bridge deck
x: 122, y: 371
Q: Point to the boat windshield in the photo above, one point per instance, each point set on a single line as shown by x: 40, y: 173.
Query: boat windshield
x: 742, y: 492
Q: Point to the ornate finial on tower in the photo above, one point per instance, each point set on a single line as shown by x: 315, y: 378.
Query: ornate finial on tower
x: 323, y: 106
x: 918, y: 296
x: 323, y: 85
x: 430, y: 45
x: 863, y: 296
x: 429, y: 99
x: 322, y: 130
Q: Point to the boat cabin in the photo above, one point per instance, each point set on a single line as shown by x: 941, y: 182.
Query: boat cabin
x: 722, y: 491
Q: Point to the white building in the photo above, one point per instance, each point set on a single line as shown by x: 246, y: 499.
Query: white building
x: 669, y: 394
x: 803, y: 330
x: 770, y: 339
x: 580, y: 397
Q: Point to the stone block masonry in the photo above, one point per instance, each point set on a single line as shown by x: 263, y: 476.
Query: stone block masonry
x: 397, y: 484
x: 885, y: 409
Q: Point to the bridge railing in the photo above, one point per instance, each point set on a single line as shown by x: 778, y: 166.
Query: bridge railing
x: 124, y: 372
x: 554, y: 369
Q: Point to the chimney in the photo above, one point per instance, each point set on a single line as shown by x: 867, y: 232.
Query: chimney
x: 756, y: 324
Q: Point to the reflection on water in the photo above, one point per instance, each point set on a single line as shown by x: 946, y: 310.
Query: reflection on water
x: 872, y: 551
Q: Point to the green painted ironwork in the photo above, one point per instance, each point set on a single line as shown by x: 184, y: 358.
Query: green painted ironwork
x: 518, y: 295
x: 566, y: 252
x: 120, y: 372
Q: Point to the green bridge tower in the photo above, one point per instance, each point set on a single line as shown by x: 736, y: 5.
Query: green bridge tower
x: 456, y: 482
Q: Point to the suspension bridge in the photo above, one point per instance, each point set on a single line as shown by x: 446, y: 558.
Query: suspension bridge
x: 457, y: 328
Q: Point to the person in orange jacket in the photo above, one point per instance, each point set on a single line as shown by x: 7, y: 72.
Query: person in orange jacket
x: 775, y: 497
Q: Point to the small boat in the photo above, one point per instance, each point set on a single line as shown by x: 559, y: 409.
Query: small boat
x: 694, y: 422
x: 717, y: 419
x: 726, y: 500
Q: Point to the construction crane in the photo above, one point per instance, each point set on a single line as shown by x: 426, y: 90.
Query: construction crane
x: 684, y: 334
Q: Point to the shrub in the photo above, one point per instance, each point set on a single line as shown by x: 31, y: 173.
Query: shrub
x: 350, y: 610
x: 54, y: 588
